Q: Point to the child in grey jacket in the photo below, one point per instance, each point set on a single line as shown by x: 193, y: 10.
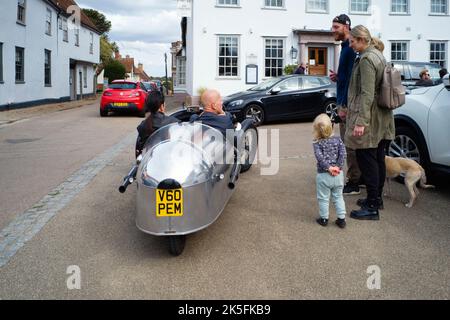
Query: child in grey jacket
x: 330, y: 155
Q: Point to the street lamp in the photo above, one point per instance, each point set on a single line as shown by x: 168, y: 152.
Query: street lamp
x: 167, y: 82
x: 294, y: 53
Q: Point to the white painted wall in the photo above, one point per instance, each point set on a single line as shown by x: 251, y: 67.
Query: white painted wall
x: 32, y: 37
x: 251, y: 21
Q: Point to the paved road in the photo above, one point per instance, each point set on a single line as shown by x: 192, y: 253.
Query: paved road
x: 266, y: 244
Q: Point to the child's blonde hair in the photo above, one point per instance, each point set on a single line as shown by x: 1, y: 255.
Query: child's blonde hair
x: 322, y: 127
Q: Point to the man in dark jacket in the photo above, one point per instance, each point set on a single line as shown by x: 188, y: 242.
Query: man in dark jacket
x: 341, y: 30
x: 213, y: 114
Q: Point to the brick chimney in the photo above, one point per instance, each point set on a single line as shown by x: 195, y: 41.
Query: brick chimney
x: 117, y: 55
x: 127, y: 56
x: 140, y: 67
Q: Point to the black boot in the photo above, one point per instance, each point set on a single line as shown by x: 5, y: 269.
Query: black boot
x: 368, y: 212
x: 363, y: 203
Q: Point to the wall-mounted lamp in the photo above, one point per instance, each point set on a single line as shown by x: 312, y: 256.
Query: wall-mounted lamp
x: 294, y: 53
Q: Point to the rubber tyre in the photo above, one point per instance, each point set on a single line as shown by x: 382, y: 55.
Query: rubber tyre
x: 247, y: 164
x: 251, y: 109
x: 103, y: 113
x: 176, y: 245
x: 141, y: 114
x: 330, y: 109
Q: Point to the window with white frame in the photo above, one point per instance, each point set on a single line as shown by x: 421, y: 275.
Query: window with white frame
x: 1, y: 62
x: 85, y: 70
x: 359, y: 6
x: 20, y: 64
x: 48, y: 22
x: 400, y: 6
x: 77, y: 37
x: 320, y: 6
x: 438, y: 53
x: 228, y: 59
x: 274, y: 3
x: 91, y: 44
x: 228, y: 2
x: 48, y: 68
x: 274, y: 57
x: 399, y: 50
x: 21, y: 10
x: 65, y: 30
x: 439, y: 6
x: 181, y: 71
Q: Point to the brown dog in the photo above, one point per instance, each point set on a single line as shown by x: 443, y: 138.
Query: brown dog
x: 413, y: 173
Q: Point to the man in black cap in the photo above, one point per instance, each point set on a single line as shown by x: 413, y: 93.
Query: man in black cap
x: 341, y: 31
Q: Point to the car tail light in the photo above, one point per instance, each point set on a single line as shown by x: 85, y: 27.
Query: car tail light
x: 107, y: 93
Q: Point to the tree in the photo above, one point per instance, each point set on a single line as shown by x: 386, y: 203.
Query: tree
x: 114, y: 70
x: 99, y: 19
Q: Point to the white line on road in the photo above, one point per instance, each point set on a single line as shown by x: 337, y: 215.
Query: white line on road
x: 26, y: 225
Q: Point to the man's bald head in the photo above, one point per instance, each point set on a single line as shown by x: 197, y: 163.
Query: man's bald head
x: 212, y: 101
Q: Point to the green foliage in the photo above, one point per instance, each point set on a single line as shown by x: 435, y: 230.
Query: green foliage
x: 99, y: 19
x: 290, y: 69
x: 114, y: 70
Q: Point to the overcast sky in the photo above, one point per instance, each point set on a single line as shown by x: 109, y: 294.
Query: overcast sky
x: 143, y: 29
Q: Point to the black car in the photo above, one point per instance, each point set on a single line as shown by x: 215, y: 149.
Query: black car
x: 284, y: 98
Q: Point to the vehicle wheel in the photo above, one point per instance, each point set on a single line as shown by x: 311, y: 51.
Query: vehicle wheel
x: 331, y: 110
x: 176, y: 245
x: 103, y: 113
x: 250, y: 147
x: 141, y: 114
x: 256, y: 113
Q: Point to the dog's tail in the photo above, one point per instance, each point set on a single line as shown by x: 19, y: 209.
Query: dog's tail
x: 423, y: 181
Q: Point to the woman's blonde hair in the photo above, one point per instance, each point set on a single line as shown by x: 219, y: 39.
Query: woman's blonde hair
x: 322, y: 127
x: 362, y: 33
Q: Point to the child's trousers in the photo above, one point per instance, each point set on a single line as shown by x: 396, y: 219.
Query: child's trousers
x: 327, y: 186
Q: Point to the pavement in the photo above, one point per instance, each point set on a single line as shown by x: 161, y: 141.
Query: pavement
x: 265, y: 245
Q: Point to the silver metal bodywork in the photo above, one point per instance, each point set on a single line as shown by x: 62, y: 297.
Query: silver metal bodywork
x: 201, y: 161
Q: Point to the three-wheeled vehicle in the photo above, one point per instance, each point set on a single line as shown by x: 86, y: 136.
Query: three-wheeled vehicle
x: 186, y: 175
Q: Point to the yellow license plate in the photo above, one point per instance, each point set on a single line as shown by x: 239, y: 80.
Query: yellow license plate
x: 120, y: 104
x: 169, y: 203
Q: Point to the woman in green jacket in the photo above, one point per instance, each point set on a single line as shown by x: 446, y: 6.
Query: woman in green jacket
x: 369, y: 127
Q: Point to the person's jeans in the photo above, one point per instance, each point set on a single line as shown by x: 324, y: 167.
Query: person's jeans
x: 327, y: 186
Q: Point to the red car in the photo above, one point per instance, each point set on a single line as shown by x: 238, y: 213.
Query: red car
x: 124, y: 95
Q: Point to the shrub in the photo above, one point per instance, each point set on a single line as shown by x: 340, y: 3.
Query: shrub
x: 115, y: 71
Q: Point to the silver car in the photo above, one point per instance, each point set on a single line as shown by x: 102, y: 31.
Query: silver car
x: 186, y: 176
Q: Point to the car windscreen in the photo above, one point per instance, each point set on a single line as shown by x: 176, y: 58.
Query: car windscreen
x: 416, y: 69
x: 123, y: 86
x: 266, y: 85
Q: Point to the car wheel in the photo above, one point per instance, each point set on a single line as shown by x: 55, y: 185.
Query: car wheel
x: 141, y: 113
x: 103, y: 112
x: 256, y: 113
x: 331, y: 110
x: 406, y: 144
x: 249, y: 149
x: 176, y: 245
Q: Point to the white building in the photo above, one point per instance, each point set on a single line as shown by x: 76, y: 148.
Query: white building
x: 45, y: 54
x: 233, y: 44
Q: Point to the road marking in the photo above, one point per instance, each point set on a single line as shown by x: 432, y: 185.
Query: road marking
x: 26, y: 225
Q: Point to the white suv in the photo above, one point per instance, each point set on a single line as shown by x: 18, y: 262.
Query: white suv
x: 423, y: 127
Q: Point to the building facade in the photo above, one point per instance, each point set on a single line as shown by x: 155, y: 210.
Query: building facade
x: 232, y: 45
x: 46, y: 54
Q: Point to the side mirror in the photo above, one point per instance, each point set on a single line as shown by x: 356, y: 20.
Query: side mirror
x: 403, y: 78
x: 275, y: 91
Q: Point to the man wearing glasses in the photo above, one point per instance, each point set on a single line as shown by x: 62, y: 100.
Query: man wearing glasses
x: 425, y: 79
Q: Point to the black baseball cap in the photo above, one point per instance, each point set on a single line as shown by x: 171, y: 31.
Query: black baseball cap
x: 343, y: 19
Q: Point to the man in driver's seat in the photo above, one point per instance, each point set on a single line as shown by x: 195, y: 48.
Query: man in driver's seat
x: 213, y: 114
